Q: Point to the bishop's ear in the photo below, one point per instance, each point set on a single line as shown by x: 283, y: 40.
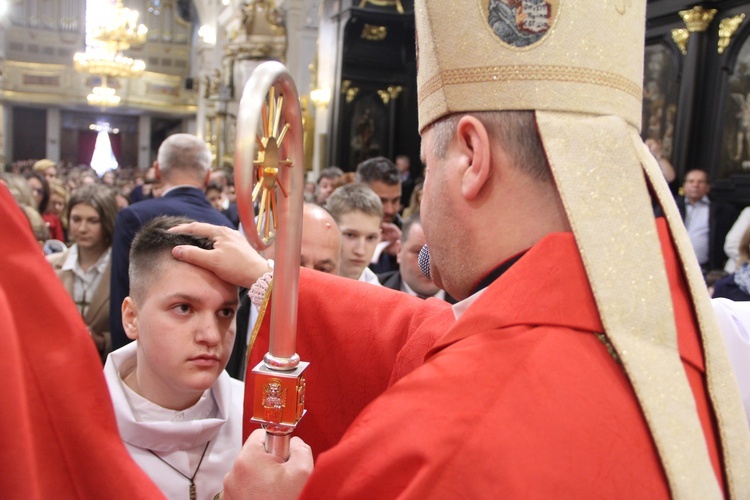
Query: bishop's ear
x: 130, y: 318
x: 474, y: 144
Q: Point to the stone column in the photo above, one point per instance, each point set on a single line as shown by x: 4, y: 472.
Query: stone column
x: 53, y: 134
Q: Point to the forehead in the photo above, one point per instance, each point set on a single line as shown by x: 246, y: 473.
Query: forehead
x: 172, y: 277
x: 83, y: 210
x: 384, y: 190
x: 359, y: 221
x: 697, y: 176
x: 321, y: 236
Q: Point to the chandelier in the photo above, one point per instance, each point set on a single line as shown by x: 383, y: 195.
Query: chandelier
x: 116, y: 30
x: 103, y: 96
x: 106, y: 63
x: 121, y: 28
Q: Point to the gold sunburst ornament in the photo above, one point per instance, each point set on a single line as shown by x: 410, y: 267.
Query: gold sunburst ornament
x: 267, y: 166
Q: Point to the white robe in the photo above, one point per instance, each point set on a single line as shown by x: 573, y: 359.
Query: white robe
x: 734, y: 321
x: 180, y: 440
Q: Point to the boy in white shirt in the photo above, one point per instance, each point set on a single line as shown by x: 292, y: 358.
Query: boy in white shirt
x: 358, y: 212
x: 178, y: 412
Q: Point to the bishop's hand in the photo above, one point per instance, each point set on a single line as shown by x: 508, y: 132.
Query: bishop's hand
x: 232, y: 258
x: 257, y: 474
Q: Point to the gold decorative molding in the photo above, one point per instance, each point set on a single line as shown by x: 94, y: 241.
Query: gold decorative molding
x: 374, y: 33
x: 392, y: 92
x: 681, y: 37
x: 349, y: 91
x: 727, y: 28
x: 697, y: 19
x: 384, y: 3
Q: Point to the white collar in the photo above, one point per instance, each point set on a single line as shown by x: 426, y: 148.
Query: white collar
x: 165, y: 435
x: 71, y: 261
x: 172, y: 188
x: 369, y: 277
x: 459, y: 308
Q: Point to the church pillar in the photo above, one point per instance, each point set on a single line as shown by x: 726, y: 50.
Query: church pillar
x: 144, y: 141
x: 53, y: 134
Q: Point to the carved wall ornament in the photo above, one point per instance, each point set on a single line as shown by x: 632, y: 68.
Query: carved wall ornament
x: 374, y: 33
x: 392, y: 92
x: 349, y: 91
x: 697, y: 19
x: 727, y: 28
x: 681, y: 37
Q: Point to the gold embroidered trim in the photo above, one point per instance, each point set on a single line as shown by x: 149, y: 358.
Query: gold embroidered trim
x: 526, y: 73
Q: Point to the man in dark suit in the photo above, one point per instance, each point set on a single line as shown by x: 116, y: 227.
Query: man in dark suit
x: 183, y: 166
x: 408, y: 278
x: 707, y: 221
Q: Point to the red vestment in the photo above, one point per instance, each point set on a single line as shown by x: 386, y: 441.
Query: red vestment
x: 518, y: 398
x: 58, y: 437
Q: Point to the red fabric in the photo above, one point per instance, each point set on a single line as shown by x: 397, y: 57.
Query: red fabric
x: 86, y: 145
x: 55, y: 226
x: 58, y: 437
x: 346, y: 375
x: 516, y: 399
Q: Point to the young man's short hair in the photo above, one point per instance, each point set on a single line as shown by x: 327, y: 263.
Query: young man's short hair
x: 151, y: 245
x: 378, y: 169
x: 354, y: 198
x: 331, y: 173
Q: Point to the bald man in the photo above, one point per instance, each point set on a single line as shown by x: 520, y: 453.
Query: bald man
x: 321, y: 240
x: 320, y: 250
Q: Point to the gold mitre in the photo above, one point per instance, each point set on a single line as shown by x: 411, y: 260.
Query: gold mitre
x: 578, y: 64
x: 555, y: 55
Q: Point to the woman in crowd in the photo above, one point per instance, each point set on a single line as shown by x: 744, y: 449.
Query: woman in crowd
x: 736, y: 286
x: 58, y: 200
x: 85, y: 267
x: 41, y: 192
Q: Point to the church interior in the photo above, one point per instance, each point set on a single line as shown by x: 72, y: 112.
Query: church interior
x: 181, y: 66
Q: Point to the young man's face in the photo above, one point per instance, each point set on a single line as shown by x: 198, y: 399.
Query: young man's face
x: 214, y: 197
x: 325, y: 188
x: 184, y: 324
x: 390, y: 197
x: 360, y: 234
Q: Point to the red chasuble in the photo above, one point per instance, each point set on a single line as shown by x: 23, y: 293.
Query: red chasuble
x: 519, y: 398
x: 58, y: 437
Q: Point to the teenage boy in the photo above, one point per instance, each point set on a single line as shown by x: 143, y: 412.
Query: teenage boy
x: 178, y: 412
x: 358, y: 212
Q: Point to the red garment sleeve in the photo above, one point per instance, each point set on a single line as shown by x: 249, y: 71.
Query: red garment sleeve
x: 352, y: 333
x: 58, y: 436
